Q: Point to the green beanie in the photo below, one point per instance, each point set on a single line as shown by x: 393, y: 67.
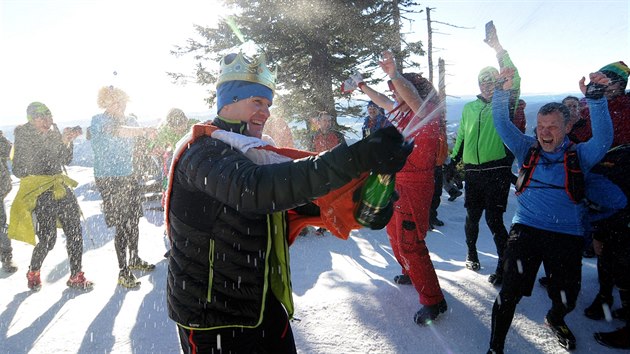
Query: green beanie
x: 488, y: 74
x: 618, y: 69
x: 36, y: 110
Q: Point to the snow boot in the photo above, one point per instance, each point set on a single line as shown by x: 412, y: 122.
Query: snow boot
x: 543, y: 281
x: 427, y: 314
x: 127, y: 279
x: 619, y: 339
x: 596, y: 310
x: 472, y: 262
x: 492, y: 351
x: 495, y: 279
x: 8, y: 265
x: 136, y: 263
x: 453, y: 194
x: 78, y: 281
x: 402, y: 279
x: 34, y: 281
x: 562, y: 332
x: 435, y: 222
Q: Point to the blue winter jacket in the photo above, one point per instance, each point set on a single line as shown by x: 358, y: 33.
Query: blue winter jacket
x: 548, y: 208
x: 113, y: 155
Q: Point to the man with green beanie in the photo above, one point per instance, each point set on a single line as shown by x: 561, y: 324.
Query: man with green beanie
x: 40, y: 153
x: 487, y: 162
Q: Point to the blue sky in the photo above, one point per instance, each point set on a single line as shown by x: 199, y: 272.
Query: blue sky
x: 61, y: 52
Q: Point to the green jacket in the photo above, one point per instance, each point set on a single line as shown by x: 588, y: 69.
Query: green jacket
x: 477, y: 136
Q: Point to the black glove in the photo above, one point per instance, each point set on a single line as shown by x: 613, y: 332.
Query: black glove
x: 595, y: 91
x: 458, y: 182
x: 450, y: 170
x: 385, y: 151
x: 381, y: 219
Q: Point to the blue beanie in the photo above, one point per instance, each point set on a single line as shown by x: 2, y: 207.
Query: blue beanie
x: 233, y: 91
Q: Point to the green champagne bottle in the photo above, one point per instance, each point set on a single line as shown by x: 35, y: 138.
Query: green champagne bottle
x: 375, y: 195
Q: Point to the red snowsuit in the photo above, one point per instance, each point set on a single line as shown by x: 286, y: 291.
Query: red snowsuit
x: 408, y: 227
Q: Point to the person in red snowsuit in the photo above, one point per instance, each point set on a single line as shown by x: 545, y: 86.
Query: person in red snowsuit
x: 416, y: 100
x: 324, y: 137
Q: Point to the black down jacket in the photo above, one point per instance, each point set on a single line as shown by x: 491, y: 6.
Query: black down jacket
x: 221, y: 210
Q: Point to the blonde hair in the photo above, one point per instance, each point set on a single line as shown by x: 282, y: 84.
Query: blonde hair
x: 108, y: 95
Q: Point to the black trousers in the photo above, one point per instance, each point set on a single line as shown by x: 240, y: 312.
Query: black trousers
x: 274, y: 335
x: 438, y: 176
x: 613, y: 265
x: 527, y: 248
x: 122, y: 206
x: 47, y: 212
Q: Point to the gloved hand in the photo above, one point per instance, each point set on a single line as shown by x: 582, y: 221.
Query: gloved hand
x: 348, y: 86
x: 356, y: 77
x: 385, y: 151
x: 450, y: 170
x: 351, y: 83
x: 381, y: 219
x: 595, y: 91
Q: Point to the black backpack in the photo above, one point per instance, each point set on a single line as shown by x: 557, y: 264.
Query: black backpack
x: 616, y: 167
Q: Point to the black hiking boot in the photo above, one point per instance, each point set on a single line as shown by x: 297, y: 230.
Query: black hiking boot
x: 495, y: 279
x: 494, y: 351
x: 435, y: 222
x: 427, y: 314
x: 472, y: 262
x: 619, y: 339
x: 402, y: 279
x: 564, y: 335
x: 599, y: 307
x: 543, y: 281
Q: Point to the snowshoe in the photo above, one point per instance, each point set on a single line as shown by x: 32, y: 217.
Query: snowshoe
x: 564, y: 335
x: 427, y: 314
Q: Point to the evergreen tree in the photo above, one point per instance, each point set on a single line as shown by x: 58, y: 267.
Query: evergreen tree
x: 314, y: 43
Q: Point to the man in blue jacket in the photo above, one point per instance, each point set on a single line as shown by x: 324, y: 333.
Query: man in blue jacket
x: 548, y: 225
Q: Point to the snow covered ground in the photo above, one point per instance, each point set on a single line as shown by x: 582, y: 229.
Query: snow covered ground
x: 345, y: 299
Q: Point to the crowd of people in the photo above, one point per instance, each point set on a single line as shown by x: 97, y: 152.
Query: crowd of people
x: 238, y: 295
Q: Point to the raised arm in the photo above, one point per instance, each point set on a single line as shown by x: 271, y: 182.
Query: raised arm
x: 512, y: 137
x: 404, y: 88
x: 592, y: 151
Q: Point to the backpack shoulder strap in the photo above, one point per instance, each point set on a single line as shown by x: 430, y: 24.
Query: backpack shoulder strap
x: 573, y: 175
x: 526, y: 170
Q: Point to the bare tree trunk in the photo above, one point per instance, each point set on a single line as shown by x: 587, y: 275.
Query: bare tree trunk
x: 396, y: 46
x: 430, y: 44
x: 321, y: 94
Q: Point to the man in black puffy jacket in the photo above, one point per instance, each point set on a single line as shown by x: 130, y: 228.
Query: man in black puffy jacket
x: 229, y: 286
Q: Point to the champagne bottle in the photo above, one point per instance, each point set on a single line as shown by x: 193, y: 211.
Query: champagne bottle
x: 375, y: 195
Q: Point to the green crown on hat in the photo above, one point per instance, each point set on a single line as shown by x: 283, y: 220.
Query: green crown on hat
x: 247, y: 69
